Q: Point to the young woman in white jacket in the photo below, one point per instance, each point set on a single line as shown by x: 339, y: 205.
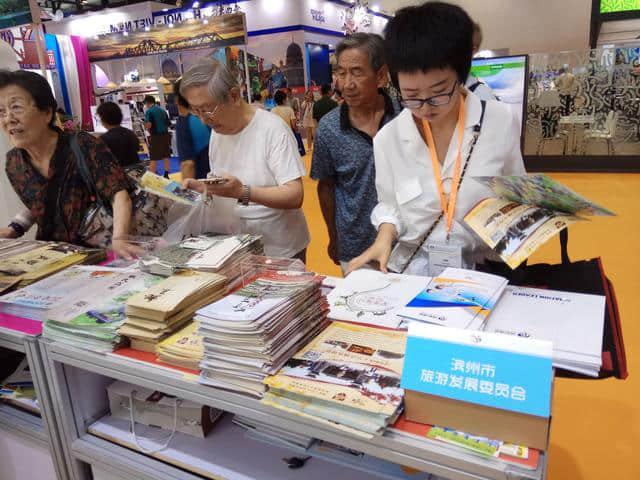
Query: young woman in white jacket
x: 426, y: 157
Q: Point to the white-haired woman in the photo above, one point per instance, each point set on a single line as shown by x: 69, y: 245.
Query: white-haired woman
x: 257, y: 156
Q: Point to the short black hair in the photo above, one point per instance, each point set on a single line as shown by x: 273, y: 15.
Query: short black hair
x: 37, y: 86
x: 110, y: 113
x: 324, y: 89
x: 435, y: 35
x: 149, y: 99
x: 181, y: 100
x: 280, y: 97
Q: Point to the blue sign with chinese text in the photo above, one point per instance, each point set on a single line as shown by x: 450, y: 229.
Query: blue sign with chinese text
x: 475, y: 367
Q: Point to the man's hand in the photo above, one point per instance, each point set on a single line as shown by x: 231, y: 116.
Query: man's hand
x: 230, y: 187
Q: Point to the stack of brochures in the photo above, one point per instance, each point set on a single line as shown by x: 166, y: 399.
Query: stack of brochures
x: 251, y: 333
x: 456, y: 298
x: 347, y: 377
x: 23, y: 262
x: 184, y: 348
x: 421, y: 434
x: 222, y: 254
x: 156, y: 313
x: 93, y: 320
x: 373, y: 298
x: 574, y: 322
x: 82, y: 306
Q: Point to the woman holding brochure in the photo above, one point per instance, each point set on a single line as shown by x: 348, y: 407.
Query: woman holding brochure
x: 255, y: 155
x: 425, y: 159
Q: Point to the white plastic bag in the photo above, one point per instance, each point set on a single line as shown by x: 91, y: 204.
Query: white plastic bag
x: 215, y: 216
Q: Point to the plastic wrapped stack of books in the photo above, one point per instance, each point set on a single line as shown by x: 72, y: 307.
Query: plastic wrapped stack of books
x: 23, y: 262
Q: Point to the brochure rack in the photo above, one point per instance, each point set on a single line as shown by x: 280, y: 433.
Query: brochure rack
x: 78, y: 380
x: 41, y: 429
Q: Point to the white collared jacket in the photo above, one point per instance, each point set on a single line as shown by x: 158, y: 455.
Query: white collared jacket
x: 407, y: 193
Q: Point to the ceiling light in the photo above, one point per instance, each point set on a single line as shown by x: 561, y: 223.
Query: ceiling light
x: 195, y: 4
x: 376, y: 8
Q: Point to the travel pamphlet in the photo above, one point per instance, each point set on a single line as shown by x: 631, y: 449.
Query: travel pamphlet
x: 527, y: 211
x: 519, y: 455
x: 350, y: 366
x: 456, y: 298
x: 373, y: 298
x: 170, y: 189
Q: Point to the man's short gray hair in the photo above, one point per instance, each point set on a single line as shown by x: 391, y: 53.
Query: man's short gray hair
x: 370, y: 43
x: 215, y: 75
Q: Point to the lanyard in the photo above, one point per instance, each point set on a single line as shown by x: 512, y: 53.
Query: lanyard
x: 450, y: 208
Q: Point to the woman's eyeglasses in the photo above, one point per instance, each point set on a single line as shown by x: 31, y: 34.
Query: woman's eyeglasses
x: 434, y: 101
x: 205, y: 113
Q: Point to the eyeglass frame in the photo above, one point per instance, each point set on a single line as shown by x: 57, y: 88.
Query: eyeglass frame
x: 429, y: 100
x: 202, y: 113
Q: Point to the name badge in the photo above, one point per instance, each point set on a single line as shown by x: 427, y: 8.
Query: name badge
x: 442, y: 256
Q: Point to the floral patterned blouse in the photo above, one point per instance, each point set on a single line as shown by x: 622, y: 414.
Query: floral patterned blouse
x: 72, y: 199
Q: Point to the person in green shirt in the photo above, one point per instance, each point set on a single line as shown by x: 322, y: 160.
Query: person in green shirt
x: 324, y: 105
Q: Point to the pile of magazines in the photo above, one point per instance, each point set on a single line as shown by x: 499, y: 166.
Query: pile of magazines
x: 252, y: 332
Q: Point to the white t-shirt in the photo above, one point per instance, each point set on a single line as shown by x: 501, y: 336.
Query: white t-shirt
x: 264, y: 154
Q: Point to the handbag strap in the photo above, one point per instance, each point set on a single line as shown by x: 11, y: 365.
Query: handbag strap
x: 87, y: 175
x: 477, y: 128
x: 132, y: 420
x: 564, y: 242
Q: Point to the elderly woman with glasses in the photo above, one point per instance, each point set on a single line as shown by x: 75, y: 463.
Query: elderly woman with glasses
x: 426, y: 157
x: 255, y: 157
x: 43, y: 169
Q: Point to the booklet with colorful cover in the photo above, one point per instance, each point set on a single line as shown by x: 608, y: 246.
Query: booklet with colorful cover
x: 170, y: 189
x: 519, y: 455
x: 527, y: 211
x: 348, y: 365
x: 456, y: 298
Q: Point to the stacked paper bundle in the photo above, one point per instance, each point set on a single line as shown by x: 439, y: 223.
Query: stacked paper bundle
x: 23, y: 262
x: 93, y: 321
x: 573, y: 322
x: 348, y: 377
x: 251, y: 333
x: 182, y: 349
x: 159, y: 311
x: 220, y: 254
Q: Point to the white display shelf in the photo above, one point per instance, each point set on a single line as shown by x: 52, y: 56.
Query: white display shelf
x: 441, y: 460
x: 40, y: 428
x: 223, y: 453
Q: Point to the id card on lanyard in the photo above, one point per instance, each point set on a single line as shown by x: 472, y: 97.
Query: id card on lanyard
x: 446, y: 254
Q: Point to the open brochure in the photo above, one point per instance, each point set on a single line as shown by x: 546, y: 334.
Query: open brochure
x: 527, y: 211
x: 456, y: 298
x: 166, y: 188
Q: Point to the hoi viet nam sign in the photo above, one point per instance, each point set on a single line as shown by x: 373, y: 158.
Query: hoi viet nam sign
x: 212, y: 32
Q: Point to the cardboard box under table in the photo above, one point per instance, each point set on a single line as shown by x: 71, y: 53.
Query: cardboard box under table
x: 485, y: 384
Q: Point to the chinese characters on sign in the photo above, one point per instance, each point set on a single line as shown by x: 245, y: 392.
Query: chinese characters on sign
x: 473, y: 377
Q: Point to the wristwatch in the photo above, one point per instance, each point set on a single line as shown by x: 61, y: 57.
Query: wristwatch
x: 246, y: 194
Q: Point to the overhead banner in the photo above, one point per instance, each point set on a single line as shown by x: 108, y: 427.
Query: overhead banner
x: 213, y: 32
